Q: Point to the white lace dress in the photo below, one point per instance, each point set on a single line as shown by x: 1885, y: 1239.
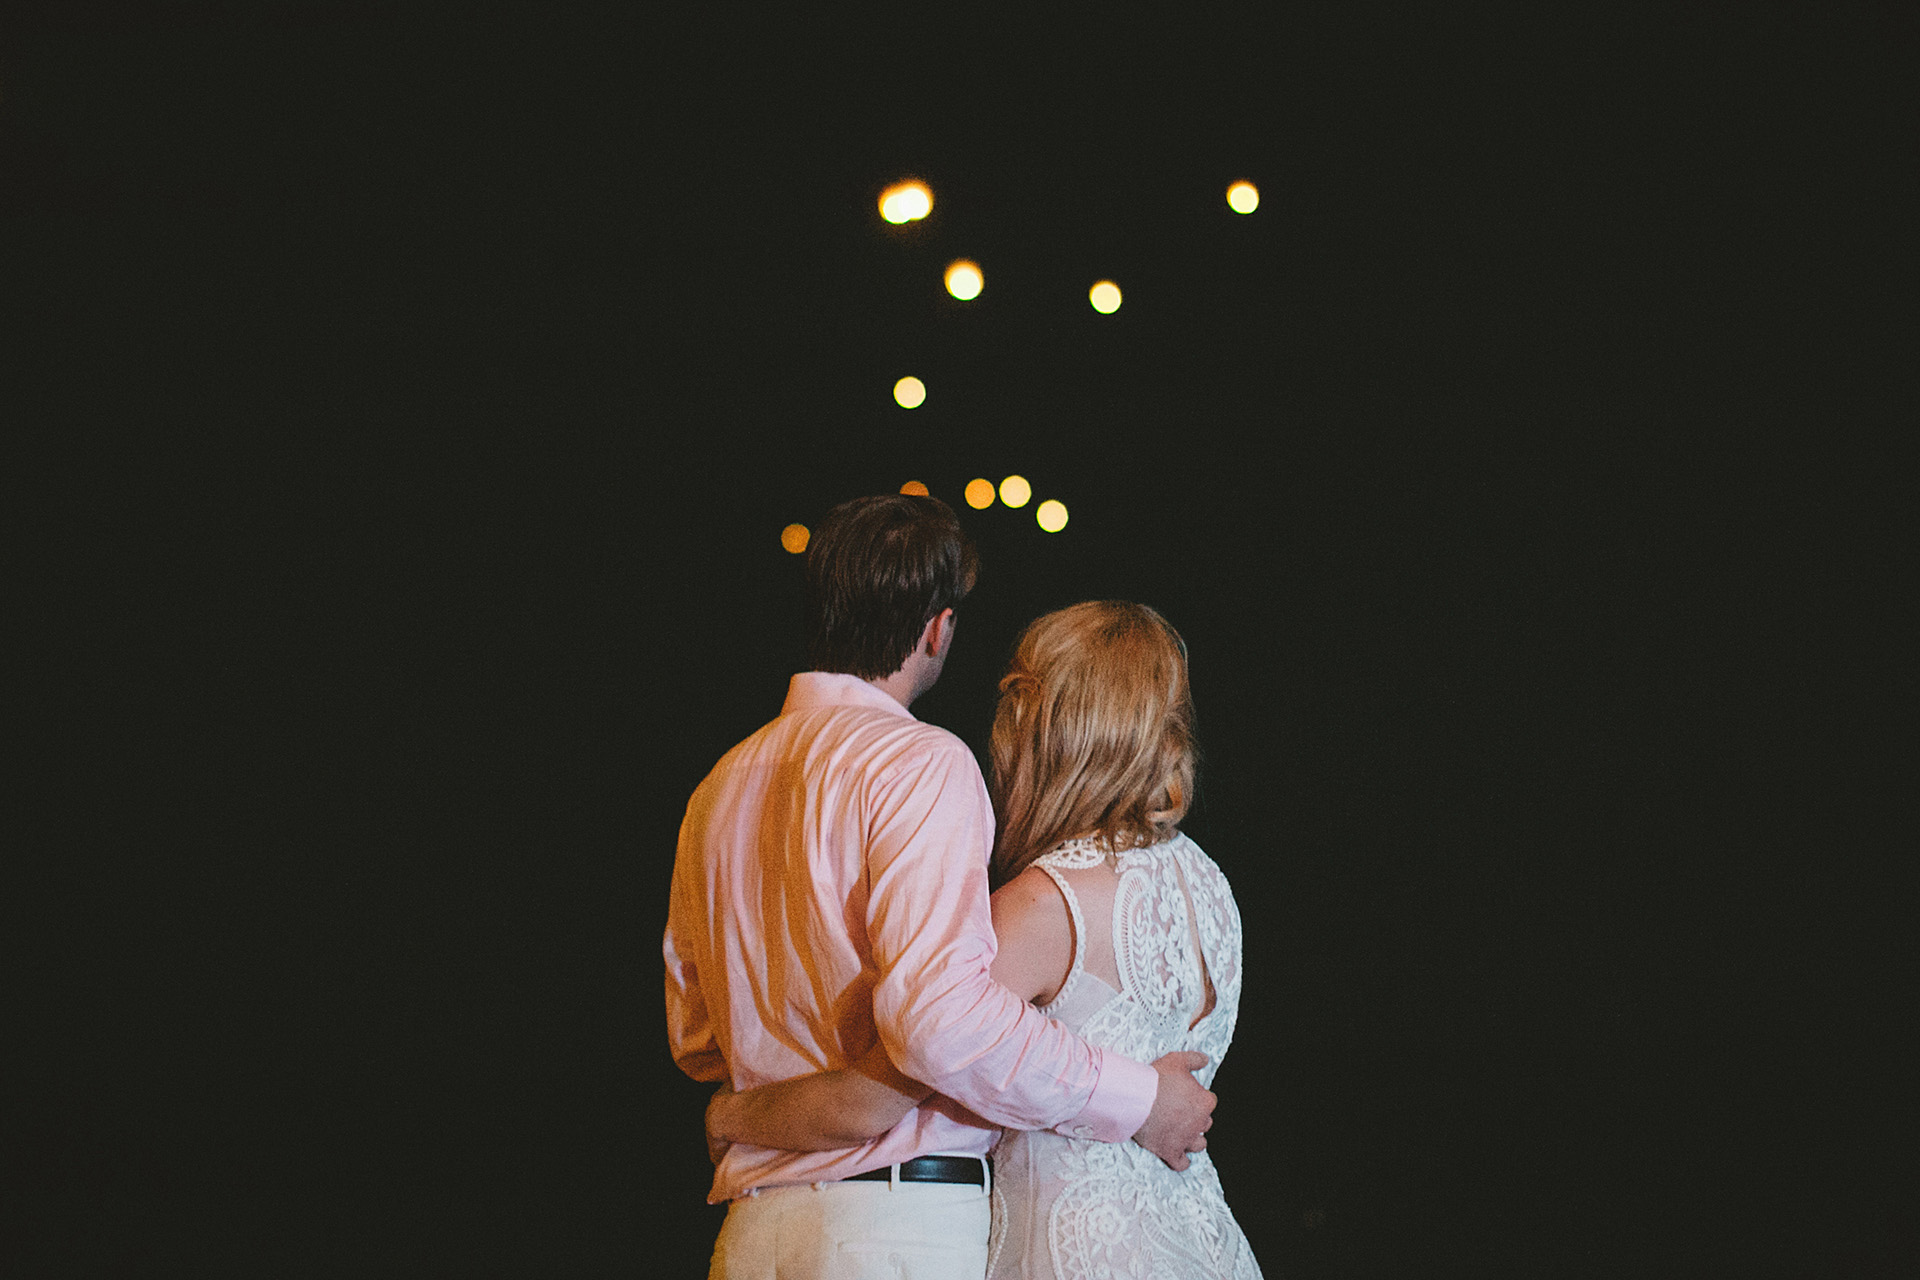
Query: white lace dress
x: 1073, y: 1209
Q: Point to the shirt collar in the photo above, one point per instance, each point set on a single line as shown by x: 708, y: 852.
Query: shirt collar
x: 810, y: 689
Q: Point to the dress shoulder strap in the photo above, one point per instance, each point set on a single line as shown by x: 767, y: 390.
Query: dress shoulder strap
x: 1075, y: 969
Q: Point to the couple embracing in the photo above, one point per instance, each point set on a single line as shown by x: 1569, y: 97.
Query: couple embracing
x: 879, y: 1025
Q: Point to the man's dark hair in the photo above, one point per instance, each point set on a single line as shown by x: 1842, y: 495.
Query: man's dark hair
x: 878, y: 570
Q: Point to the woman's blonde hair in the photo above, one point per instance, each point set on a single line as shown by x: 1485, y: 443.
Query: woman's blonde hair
x: 1093, y: 735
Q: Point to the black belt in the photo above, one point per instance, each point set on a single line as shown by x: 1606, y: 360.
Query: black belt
x: 966, y: 1169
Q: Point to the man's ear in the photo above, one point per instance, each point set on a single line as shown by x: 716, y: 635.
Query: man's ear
x: 938, y: 637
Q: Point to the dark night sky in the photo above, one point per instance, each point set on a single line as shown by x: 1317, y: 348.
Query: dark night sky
x: 403, y: 411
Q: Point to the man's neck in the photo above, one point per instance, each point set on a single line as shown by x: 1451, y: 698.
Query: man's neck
x: 902, y: 686
x: 924, y: 661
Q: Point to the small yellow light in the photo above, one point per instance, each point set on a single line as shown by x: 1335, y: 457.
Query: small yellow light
x: 906, y: 202
x: 1014, y: 491
x: 794, y: 538
x: 979, y: 494
x: 915, y: 488
x: 1243, y: 197
x: 1052, y: 515
x: 964, y: 280
x: 1105, y: 297
x: 909, y: 392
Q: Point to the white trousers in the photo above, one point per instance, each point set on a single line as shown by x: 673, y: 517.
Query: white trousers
x: 855, y: 1231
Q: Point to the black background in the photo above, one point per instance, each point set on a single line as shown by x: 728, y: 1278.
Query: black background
x: 403, y: 407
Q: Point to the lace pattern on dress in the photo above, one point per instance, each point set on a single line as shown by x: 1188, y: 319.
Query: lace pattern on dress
x: 1074, y: 854
x: 1113, y: 1211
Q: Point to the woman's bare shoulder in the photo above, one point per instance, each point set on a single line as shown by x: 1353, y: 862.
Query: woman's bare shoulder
x: 1028, y: 902
x: 1035, y: 935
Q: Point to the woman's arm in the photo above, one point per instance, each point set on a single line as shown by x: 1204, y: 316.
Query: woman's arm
x: 825, y: 1111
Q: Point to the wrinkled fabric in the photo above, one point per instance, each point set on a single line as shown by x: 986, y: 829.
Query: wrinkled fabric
x: 830, y: 888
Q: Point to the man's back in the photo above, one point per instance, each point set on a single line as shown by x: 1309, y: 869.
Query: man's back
x: 787, y: 844
x: 775, y: 843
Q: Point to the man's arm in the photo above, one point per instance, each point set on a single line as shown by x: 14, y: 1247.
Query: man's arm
x: 940, y: 1014
x: 832, y: 1110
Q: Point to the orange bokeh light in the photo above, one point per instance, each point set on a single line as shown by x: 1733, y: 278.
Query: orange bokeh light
x: 906, y: 202
x: 964, y: 280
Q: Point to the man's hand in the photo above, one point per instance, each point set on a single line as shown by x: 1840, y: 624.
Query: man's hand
x: 1182, y: 1110
x: 716, y: 1145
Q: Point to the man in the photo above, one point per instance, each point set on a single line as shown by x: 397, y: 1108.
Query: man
x: 829, y: 910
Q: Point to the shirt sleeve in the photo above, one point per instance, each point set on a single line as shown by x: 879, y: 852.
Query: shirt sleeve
x: 942, y: 1017
x: 690, y: 1033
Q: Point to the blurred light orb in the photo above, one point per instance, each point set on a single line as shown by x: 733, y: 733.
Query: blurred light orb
x: 979, y: 494
x: 909, y: 392
x: 915, y: 488
x: 794, y: 538
x: 1243, y: 197
x: 906, y: 202
x: 1105, y: 297
x: 1014, y: 491
x: 964, y: 280
x: 1052, y: 515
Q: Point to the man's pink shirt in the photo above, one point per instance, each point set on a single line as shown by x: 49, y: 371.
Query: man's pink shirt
x: 830, y: 888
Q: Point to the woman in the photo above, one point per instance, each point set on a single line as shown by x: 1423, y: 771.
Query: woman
x: 1108, y: 920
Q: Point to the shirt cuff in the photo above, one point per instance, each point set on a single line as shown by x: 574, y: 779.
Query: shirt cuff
x: 1122, y: 1097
